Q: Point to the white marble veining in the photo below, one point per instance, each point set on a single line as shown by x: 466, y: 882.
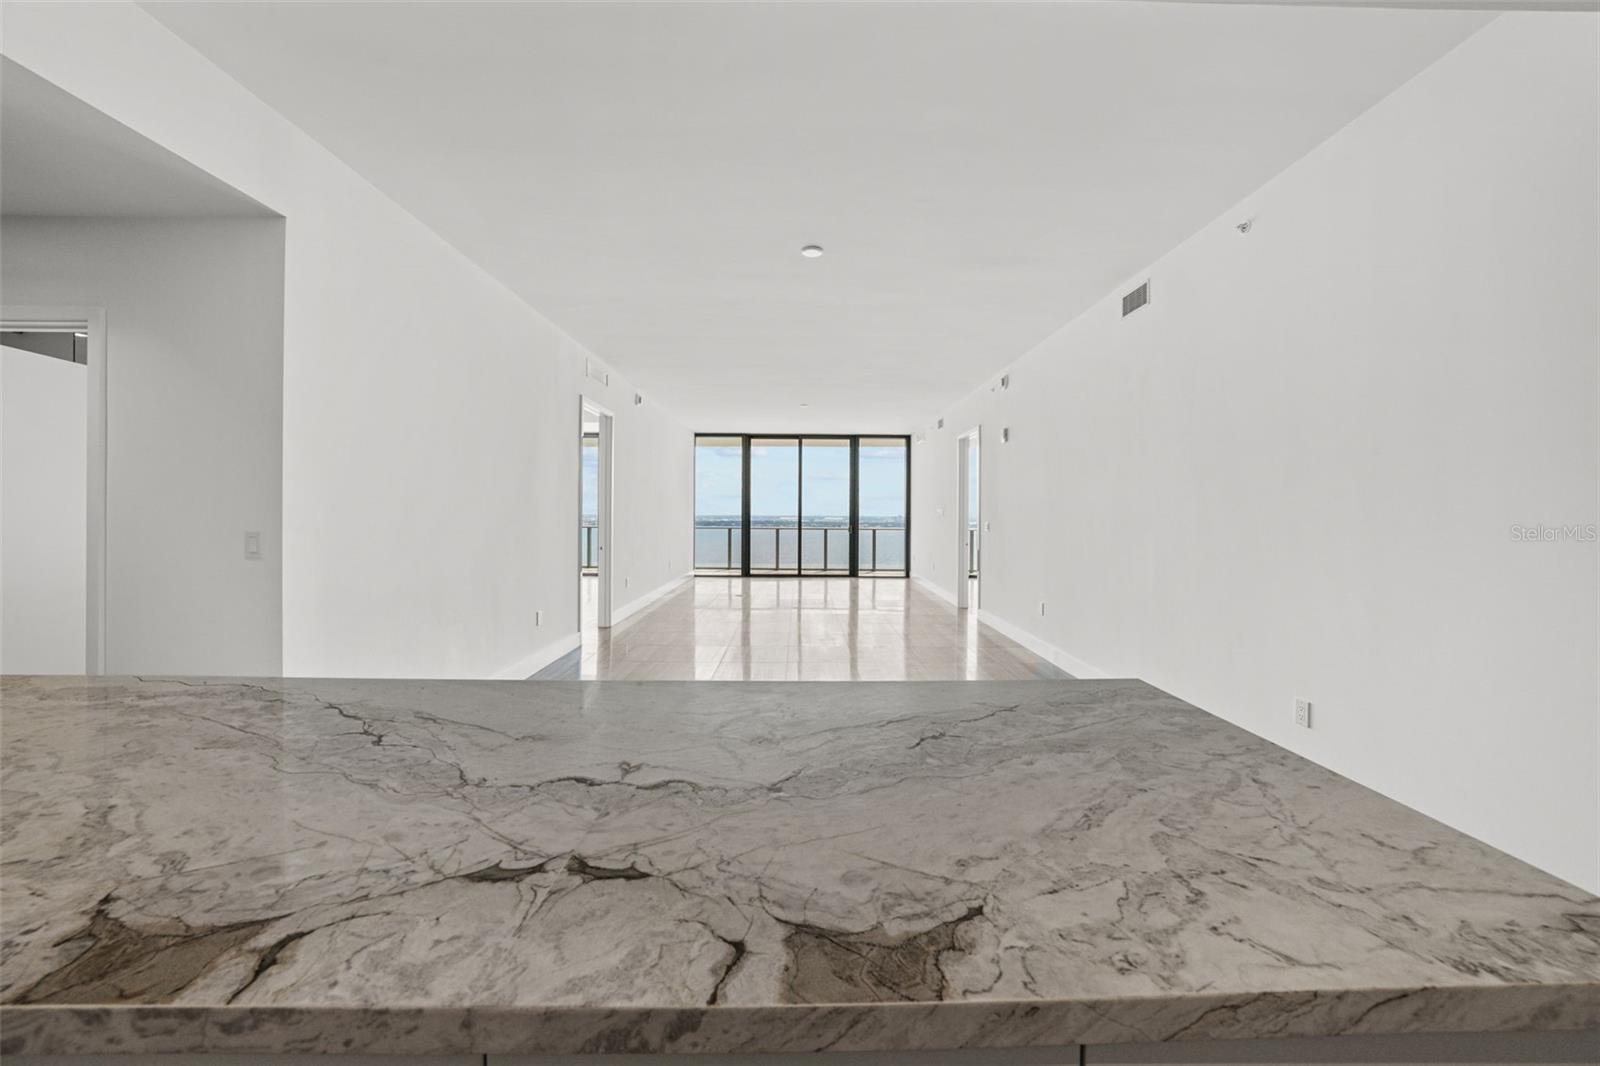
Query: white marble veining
x: 402, y: 866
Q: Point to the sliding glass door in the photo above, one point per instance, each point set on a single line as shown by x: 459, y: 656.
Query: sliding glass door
x: 786, y: 505
x: 719, y: 505
x: 773, y: 513
x: 825, y: 505
x: 885, y: 473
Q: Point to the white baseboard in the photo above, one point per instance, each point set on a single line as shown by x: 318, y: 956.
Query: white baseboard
x: 1070, y: 663
x: 938, y: 590
x: 531, y: 664
x: 1045, y: 650
x: 621, y: 614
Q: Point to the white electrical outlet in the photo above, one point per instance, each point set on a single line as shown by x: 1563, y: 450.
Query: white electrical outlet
x: 1302, y: 713
x: 1041, y: 608
x: 252, y: 545
x: 538, y: 618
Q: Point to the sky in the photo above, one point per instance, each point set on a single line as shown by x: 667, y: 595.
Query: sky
x: 591, y: 479
x: 774, y: 476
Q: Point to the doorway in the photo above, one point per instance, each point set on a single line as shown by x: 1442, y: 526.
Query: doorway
x: 52, y: 384
x: 969, y: 521
x: 595, y: 478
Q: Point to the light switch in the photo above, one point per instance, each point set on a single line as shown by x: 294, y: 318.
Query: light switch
x: 252, y: 545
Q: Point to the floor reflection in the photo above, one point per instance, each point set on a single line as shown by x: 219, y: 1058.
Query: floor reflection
x: 798, y: 629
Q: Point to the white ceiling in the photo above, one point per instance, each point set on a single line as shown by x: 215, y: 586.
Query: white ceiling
x: 59, y: 156
x: 979, y: 173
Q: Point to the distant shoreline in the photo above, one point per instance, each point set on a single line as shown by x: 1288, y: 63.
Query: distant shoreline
x: 789, y: 522
x: 784, y: 522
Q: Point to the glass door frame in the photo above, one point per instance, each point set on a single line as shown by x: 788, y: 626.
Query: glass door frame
x: 854, y: 529
x: 746, y: 529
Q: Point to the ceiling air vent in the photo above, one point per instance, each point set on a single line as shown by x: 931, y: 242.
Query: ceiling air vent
x: 1135, y: 299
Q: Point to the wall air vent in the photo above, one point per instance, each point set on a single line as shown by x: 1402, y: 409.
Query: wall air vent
x: 1135, y: 299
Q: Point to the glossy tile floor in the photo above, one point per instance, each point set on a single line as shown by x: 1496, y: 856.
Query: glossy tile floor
x: 797, y: 629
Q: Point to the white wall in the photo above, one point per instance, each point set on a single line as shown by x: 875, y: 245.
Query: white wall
x: 1296, y: 472
x: 430, y: 444
x: 44, y: 465
x: 194, y: 372
x: 653, y: 498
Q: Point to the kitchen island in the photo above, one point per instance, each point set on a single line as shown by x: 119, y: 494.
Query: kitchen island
x: 529, y: 868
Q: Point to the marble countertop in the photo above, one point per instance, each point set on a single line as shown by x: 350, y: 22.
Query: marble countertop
x: 409, y: 866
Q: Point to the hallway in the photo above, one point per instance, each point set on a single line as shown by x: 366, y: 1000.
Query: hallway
x: 797, y: 629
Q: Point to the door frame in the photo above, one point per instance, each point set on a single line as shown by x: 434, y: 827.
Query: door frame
x: 91, y: 320
x: 968, y: 517
x: 605, y: 480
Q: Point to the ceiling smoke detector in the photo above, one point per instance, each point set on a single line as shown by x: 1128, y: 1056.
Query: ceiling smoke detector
x: 811, y: 251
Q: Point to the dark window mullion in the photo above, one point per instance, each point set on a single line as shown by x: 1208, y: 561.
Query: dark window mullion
x: 744, y: 508
x: 799, y: 500
x: 855, y: 507
x: 906, y: 503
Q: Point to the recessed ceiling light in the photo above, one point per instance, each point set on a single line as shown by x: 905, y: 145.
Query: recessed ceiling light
x: 811, y: 251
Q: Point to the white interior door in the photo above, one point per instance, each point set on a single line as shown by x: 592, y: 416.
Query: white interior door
x: 969, y: 593
x: 44, y: 526
x: 595, y: 415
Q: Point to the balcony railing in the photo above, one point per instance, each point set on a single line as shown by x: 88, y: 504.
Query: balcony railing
x: 870, y: 556
x: 588, y: 560
x: 820, y: 549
